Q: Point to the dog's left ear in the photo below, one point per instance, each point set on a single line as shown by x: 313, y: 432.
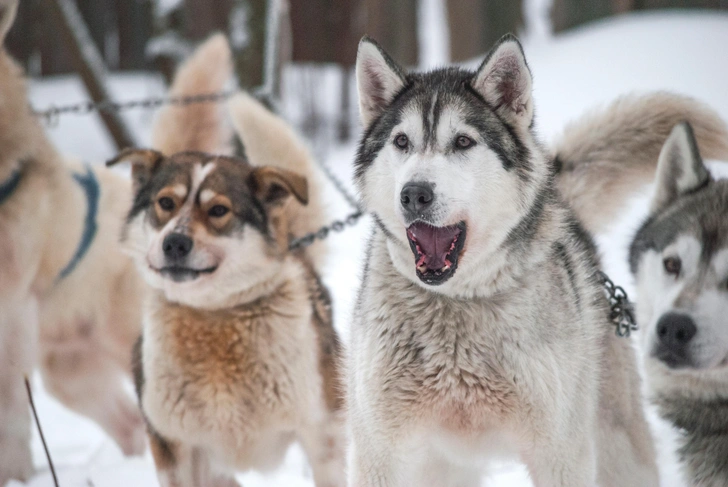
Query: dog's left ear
x: 504, y: 81
x: 680, y: 168
x: 273, y: 185
x: 143, y: 164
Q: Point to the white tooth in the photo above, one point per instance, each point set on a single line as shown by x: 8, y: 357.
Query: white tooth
x: 422, y: 268
x: 444, y: 268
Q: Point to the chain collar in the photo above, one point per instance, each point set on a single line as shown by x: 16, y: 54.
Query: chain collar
x: 621, y: 311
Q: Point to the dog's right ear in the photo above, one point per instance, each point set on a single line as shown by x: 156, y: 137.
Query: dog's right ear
x: 378, y: 80
x: 8, y: 10
x: 273, y: 185
x: 143, y: 164
x: 680, y: 168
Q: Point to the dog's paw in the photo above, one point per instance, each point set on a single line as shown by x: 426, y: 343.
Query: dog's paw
x: 16, y: 462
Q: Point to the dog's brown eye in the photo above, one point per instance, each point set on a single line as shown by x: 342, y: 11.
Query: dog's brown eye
x: 217, y: 211
x: 401, y: 141
x: 464, y: 142
x: 672, y: 265
x: 166, y: 203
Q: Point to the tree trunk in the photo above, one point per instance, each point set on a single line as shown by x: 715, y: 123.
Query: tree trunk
x: 393, y: 24
x: 475, y: 25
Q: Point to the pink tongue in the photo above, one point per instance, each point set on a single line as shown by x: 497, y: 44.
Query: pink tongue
x: 434, y: 243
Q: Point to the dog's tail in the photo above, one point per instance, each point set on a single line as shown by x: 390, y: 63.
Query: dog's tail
x: 197, y: 126
x: 268, y: 140
x: 609, y: 154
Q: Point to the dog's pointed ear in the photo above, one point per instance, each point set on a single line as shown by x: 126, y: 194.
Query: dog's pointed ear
x: 680, y: 168
x: 8, y: 10
x: 143, y: 164
x: 504, y: 81
x: 378, y: 80
x: 273, y: 185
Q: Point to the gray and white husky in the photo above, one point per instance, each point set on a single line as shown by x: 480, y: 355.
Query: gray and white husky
x: 481, y: 328
x: 679, y: 256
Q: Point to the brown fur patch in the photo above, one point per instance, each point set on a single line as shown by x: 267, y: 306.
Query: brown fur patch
x: 163, y: 451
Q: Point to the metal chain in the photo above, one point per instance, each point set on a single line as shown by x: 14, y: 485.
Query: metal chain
x: 325, y: 231
x: 52, y: 114
x: 621, y: 309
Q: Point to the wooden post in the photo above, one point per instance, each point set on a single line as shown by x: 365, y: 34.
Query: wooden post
x: 89, y: 64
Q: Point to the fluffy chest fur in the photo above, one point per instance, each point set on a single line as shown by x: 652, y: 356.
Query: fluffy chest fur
x: 470, y: 364
x: 231, y: 378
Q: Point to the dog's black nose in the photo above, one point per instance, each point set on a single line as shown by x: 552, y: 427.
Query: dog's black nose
x: 416, y: 197
x: 674, y: 332
x: 177, y: 246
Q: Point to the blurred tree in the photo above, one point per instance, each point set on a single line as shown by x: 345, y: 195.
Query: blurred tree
x: 243, y: 20
x: 652, y: 4
x: 566, y: 14
x: 393, y: 23
x: 328, y: 31
x: 475, y: 25
x: 134, y: 20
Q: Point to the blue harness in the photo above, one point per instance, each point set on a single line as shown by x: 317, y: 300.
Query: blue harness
x: 91, y: 189
x: 8, y: 187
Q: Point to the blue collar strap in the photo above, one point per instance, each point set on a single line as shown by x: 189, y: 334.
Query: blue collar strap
x: 8, y: 187
x: 91, y: 189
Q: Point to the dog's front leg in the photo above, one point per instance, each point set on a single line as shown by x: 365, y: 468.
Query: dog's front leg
x: 18, y: 338
x: 567, y: 461
x: 373, y: 462
x: 185, y: 466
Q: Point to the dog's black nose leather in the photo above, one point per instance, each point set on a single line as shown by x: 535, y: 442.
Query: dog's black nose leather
x: 416, y: 197
x: 675, y: 331
x: 177, y: 246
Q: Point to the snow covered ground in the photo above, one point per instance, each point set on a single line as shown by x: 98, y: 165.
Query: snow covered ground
x: 679, y: 51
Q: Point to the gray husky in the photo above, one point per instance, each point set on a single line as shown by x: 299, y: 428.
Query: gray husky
x: 481, y: 327
x: 679, y: 256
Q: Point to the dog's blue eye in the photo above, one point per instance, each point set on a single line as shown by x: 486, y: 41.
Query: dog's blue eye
x: 217, y: 211
x: 166, y: 203
x: 464, y: 142
x: 401, y: 141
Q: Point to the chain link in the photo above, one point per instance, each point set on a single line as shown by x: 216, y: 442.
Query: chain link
x: 621, y: 309
x: 325, y: 231
x: 52, y: 114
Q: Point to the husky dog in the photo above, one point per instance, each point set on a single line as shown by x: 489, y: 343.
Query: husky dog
x: 238, y: 356
x: 481, y: 327
x: 679, y: 256
x: 70, y: 300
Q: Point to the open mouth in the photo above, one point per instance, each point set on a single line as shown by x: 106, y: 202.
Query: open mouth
x: 436, y: 250
x: 182, y: 274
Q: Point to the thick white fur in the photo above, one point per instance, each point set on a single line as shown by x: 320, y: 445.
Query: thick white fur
x: 498, y: 360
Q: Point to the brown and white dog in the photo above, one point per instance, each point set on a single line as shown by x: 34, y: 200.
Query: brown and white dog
x: 70, y: 301
x: 238, y: 356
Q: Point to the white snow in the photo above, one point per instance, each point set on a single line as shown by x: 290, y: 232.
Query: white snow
x: 679, y: 51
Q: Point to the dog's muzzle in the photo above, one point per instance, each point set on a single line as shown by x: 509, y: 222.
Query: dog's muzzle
x: 177, y: 247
